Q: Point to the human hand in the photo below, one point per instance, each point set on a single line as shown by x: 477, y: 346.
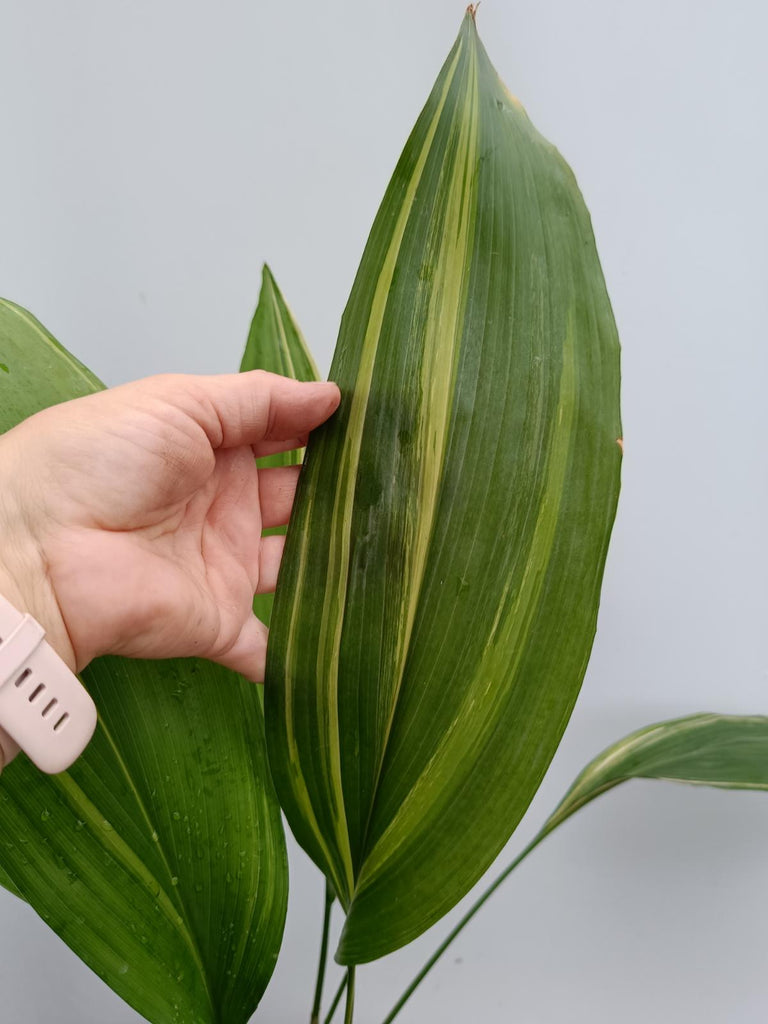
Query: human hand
x: 131, y: 519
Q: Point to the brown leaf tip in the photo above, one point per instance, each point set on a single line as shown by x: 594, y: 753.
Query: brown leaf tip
x: 472, y: 10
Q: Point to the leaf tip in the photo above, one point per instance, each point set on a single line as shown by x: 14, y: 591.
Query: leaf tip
x: 472, y: 11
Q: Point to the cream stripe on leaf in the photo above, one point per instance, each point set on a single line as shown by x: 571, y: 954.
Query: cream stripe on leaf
x: 326, y: 532
x: 724, y: 751
x: 439, y: 591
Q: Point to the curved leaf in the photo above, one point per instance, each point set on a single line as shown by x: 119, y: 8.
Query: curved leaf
x: 728, y: 752
x: 275, y: 343
x: 159, y: 857
x: 438, y: 596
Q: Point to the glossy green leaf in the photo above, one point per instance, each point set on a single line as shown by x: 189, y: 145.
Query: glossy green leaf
x: 275, y: 343
x: 159, y: 857
x: 439, y: 592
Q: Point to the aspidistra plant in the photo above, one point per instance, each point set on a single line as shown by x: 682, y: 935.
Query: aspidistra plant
x: 434, y: 615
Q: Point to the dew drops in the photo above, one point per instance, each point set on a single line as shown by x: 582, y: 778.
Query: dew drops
x: 45, y: 815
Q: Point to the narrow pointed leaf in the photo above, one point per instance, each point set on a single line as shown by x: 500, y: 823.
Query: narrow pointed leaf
x: 438, y: 596
x: 725, y: 751
x: 275, y: 343
x: 159, y: 857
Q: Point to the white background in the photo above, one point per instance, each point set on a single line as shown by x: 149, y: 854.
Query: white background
x: 153, y: 154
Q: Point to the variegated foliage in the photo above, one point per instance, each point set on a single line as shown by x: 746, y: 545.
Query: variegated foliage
x: 439, y: 592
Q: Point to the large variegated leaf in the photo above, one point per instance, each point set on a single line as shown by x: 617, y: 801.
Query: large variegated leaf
x: 275, y: 343
x: 439, y: 592
x: 159, y: 857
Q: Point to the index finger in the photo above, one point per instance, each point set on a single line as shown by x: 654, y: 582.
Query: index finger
x: 255, y: 407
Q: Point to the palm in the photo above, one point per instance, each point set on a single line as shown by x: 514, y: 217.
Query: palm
x: 154, y: 542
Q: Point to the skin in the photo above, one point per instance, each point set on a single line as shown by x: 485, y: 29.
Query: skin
x: 131, y: 520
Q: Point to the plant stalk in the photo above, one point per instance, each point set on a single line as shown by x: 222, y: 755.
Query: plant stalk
x: 329, y: 897
x: 463, y: 922
x: 350, y: 1010
x: 336, y: 999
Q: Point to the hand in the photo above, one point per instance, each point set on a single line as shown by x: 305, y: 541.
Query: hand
x: 131, y: 520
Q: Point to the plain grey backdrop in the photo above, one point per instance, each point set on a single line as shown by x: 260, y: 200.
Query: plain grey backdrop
x: 153, y: 154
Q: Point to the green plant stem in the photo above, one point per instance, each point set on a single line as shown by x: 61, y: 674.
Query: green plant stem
x: 350, y: 1010
x: 329, y: 897
x: 462, y: 923
x: 336, y: 999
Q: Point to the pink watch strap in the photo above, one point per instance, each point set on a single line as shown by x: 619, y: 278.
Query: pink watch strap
x: 44, y: 708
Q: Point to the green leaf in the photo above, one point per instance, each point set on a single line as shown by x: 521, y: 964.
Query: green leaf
x: 728, y: 752
x: 7, y: 883
x: 275, y: 343
x: 159, y: 857
x: 439, y: 592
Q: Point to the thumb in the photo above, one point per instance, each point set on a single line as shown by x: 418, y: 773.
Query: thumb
x: 248, y: 654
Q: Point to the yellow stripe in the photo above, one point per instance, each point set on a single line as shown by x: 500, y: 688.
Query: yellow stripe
x: 282, y: 337
x: 477, y: 716
x: 441, y: 344
x: 442, y: 340
x: 338, y: 560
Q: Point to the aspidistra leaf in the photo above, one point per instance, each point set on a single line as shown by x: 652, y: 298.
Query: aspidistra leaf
x: 724, y: 751
x: 159, y: 857
x: 439, y: 592
x: 275, y: 343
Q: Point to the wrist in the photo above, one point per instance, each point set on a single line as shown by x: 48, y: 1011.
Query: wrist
x: 24, y: 579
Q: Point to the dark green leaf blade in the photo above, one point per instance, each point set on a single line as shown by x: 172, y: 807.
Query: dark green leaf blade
x: 439, y: 592
x: 7, y: 883
x: 275, y: 343
x: 159, y: 857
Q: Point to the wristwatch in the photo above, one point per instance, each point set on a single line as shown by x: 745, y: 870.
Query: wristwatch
x: 44, y: 708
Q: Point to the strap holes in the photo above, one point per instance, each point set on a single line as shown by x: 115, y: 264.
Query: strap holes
x: 40, y: 688
x: 61, y: 722
x: 49, y: 707
x: 24, y: 676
